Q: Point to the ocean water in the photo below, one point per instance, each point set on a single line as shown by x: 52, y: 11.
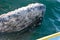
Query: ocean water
x: 50, y: 23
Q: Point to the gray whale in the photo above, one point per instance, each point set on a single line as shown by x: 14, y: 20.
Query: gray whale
x: 22, y: 18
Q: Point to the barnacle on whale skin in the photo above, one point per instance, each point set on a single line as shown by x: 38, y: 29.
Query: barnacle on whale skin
x: 22, y: 18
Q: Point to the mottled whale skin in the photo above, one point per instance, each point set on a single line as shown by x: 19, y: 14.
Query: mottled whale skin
x: 22, y: 18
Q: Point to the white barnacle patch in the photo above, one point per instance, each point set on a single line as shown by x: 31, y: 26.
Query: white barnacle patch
x: 1, y: 24
x: 5, y: 26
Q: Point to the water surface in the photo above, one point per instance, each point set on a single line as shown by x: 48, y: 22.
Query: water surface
x: 50, y: 24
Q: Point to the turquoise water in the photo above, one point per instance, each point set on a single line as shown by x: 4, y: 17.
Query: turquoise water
x: 50, y: 24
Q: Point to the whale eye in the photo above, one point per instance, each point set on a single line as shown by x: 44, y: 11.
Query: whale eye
x: 40, y: 7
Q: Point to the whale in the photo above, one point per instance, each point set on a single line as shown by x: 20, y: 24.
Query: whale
x: 21, y: 18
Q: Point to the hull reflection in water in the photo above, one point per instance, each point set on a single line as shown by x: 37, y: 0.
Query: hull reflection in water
x: 22, y: 18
